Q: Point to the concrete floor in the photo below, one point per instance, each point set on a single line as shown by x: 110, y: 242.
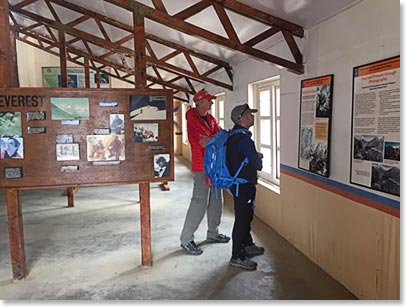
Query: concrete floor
x: 92, y: 252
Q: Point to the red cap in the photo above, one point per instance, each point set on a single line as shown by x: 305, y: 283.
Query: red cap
x: 202, y: 94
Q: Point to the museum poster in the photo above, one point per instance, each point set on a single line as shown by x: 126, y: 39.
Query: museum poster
x: 76, y: 78
x: 315, y: 124
x: 375, y: 150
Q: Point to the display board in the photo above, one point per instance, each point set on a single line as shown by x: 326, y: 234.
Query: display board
x: 375, y: 155
x: 84, y: 137
x: 315, y: 124
x: 51, y: 77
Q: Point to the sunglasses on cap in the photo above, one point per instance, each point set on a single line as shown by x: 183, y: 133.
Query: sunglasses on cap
x: 246, y: 108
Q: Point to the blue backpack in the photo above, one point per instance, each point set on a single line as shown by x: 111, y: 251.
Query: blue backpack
x: 215, y: 161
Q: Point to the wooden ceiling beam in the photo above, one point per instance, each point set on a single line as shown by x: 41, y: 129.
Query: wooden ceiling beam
x: 158, y: 4
x: 190, y: 29
x: 252, y: 13
x: 227, y: 25
x: 193, y: 10
x: 120, y: 49
x: 92, y: 59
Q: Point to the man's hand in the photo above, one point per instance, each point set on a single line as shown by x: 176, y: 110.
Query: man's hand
x: 205, y: 140
x: 260, y: 155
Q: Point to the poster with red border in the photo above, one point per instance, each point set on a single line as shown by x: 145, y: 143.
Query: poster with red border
x: 375, y: 147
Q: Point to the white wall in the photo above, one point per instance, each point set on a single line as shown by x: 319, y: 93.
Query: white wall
x: 357, y: 244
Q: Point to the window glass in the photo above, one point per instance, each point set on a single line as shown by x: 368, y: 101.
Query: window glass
x: 221, y: 109
x: 266, y: 159
x: 265, y: 103
x: 278, y: 101
x: 265, y: 131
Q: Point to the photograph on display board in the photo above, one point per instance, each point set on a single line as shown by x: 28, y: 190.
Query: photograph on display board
x: 105, y: 147
x: 64, y: 138
x: 69, y: 108
x: 146, y: 132
x: 162, y: 166
x: 12, y: 148
x: 392, y: 151
x: 383, y: 178
x: 323, y: 101
x: 10, y: 124
x: 368, y: 147
x: 117, y: 123
x: 148, y: 107
x: 68, y: 152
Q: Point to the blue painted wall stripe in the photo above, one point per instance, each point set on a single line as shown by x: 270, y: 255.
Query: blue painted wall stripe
x: 349, y: 189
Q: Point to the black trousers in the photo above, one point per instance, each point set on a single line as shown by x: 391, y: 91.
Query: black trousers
x: 244, y: 209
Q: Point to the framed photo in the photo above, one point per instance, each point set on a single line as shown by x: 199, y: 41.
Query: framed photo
x: 148, y: 107
x: 315, y: 124
x: 375, y: 147
x: 162, y: 166
x: 106, y: 147
x: 69, y: 108
x: 12, y: 148
x: 117, y: 123
x: 146, y: 132
x: 10, y: 124
x: 68, y: 152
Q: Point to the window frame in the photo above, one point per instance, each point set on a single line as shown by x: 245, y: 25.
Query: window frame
x: 272, y: 84
x: 216, y: 109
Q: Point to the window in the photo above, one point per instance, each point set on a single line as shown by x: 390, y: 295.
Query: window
x: 218, y: 109
x: 266, y: 98
x: 185, y: 108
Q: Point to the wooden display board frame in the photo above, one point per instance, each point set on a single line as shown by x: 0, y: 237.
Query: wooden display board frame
x: 40, y: 167
x: 33, y: 117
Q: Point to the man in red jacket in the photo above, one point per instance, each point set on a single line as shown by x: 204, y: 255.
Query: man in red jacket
x: 202, y: 127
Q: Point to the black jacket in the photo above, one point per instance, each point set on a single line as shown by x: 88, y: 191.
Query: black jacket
x: 238, y: 147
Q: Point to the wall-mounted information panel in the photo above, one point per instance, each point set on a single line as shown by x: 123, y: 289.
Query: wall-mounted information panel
x: 84, y: 137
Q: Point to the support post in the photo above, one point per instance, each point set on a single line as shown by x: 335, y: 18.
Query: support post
x: 145, y: 220
x: 87, y: 73
x: 13, y: 60
x: 5, y: 60
x: 16, y: 234
x: 62, y: 59
x: 71, y: 196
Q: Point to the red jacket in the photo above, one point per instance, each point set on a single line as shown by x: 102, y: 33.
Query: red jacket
x: 197, y: 128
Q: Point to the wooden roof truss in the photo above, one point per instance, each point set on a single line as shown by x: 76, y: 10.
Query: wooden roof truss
x: 115, y: 55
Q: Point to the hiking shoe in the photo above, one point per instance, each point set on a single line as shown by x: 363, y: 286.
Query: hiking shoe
x: 191, y: 248
x: 220, y: 238
x: 246, y: 263
x: 253, y: 250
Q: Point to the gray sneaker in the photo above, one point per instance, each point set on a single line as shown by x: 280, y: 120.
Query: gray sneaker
x: 192, y: 249
x: 246, y: 263
x: 253, y: 250
x: 219, y: 238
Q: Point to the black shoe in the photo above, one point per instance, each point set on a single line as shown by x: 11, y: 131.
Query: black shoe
x: 191, y: 248
x: 253, y: 250
x: 220, y: 238
x: 245, y: 263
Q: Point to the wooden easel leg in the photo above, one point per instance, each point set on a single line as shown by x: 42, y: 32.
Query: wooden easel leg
x: 146, y: 258
x: 16, y: 234
x: 71, y: 196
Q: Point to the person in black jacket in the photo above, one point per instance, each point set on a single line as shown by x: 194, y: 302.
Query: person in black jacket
x: 240, y: 146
